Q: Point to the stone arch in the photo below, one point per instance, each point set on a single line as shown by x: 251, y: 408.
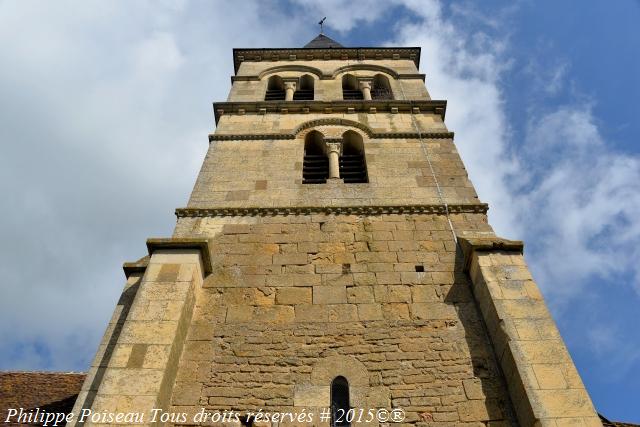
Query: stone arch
x: 325, y: 370
x: 300, y: 68
x: 316, y: 392
x: 366, y: 67
x: 334, y: 121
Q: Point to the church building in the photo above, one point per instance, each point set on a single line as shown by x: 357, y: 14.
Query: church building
x: 335, y: 261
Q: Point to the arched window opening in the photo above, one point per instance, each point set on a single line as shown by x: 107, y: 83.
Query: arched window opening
x: 315, y: 167
x: 381, y: 89
x: 305, y: 91
x: 275, y: 89
x: 340, y: 402
x: 353, y: 168
x: 350, y: 88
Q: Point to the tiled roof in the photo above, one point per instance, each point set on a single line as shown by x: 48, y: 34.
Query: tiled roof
x: 322, y: 42
x: 607, y: 423
x: 49, y: 391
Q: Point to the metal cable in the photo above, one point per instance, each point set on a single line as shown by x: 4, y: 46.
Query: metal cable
x: 433, y: 174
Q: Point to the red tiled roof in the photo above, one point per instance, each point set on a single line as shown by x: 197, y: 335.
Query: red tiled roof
x: 49, y: 391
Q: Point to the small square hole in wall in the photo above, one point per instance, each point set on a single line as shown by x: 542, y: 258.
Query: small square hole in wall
x: 346, y: 268
x: 420, y: 268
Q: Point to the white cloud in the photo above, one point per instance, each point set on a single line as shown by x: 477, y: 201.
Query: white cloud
x: 465, y: 69
x: 341, y: 15
x: 583, y: 207
x: 104, y: 119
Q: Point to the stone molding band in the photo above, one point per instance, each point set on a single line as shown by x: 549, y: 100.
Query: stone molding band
x: 331, y: 121
x: 386, y: 135
x: 408, y: 76
x: 395, y: 106
x: 478, y: 208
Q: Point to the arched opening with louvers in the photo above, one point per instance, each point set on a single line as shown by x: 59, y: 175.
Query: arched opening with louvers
x: 275, y: 89
x: 350, y: 89
x: 315, y: 166
x: 353, y: 167
x: 305, y: 89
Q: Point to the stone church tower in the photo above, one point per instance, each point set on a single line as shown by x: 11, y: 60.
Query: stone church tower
x: 334, y: 255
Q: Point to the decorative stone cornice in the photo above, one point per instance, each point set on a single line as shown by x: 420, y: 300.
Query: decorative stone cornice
x: 340, y: 106
x: 331, y: 121
x: 480, y: 208
x: 308, y: 54
x: 399, y: 76
x: 385, y: 135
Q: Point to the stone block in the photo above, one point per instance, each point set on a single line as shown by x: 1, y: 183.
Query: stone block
x: 479, y: 410
x: 118, y: 382
x: 364, y: 279
x: 360, y: 294
x: 342, y: 313
x: 291, y: 258
x: 424, y: 293
x: 550, y: 376
x: 370, y: 312
x: 294, y: 295
x: 310, y: 396
x: 429, y: 311
x: 388, y: 278
x: 311, y: 313
x: 325, y: 294
x: 392, y: 293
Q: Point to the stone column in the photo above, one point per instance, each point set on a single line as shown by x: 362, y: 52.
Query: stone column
x: 289, y: 88
x: 365, y: 87
x: 544, y: 385
x: 334, y: 158
x: 136, y: 364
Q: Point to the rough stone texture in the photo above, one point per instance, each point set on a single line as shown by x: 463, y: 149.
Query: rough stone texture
x: 280, y: 302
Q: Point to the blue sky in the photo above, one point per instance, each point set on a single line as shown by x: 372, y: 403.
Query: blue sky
x: 105, y: 109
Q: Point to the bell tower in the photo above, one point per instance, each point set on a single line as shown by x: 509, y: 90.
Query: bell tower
x: 334, y: 255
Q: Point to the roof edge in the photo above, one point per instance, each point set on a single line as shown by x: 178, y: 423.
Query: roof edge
x: 275, y: 54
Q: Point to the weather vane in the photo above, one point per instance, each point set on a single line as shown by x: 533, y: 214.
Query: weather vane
x: 320, y: 23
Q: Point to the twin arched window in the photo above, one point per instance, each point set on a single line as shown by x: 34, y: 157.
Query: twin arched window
x: 277, y: 89
x: 374, y: 88
x: 351, y: 163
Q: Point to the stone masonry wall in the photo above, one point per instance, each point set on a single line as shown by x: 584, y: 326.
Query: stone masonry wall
x: 271, y: 173
x: 294, y: 301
